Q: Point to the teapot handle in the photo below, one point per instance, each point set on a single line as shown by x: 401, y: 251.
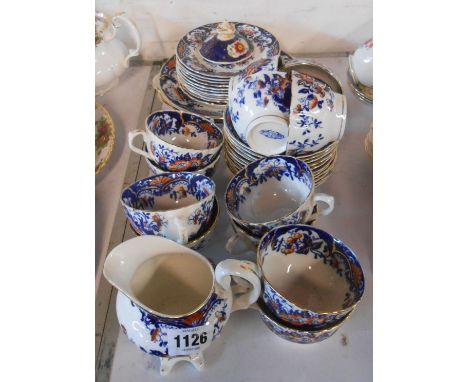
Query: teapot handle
x: 242, y: 269
x: 134, y: 31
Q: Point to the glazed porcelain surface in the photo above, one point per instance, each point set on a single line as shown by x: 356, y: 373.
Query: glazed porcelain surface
x: 208, y: 170
x: 264, y: 45
x: 206, y: 231
x: 111, y: 54
x: 227, y: 46
x: 310, y: 279
x: 318, y: 115
x: 280, y: 181
x: 179, y: 141
x: 362, y: 62
x: 293, y: 334
x: 168, y: 86
x: 171, y: 302
x: 259, y: 107
x: 104, y: 137
x: 172, y: 205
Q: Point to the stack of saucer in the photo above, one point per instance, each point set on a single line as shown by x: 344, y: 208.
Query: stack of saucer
x: 238, y: 154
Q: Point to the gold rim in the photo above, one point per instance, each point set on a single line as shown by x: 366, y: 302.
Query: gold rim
x: 104, y: 161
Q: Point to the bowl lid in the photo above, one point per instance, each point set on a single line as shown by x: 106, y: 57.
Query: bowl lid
x: 226, y: 45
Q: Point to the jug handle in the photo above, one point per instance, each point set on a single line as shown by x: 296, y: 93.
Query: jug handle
x: 134, y: 31
x: 245, y: 270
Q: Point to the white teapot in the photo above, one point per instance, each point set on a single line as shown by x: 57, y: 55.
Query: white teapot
x: 112, y: 55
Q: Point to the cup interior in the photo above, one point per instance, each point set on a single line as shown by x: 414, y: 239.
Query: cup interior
x: 185, y: 130
x: 311, y: 269
x: 173, y: 283
x: 280, y: 181
x: 166, y: 191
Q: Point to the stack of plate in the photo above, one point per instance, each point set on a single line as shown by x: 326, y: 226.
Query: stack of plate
x: 206, y: 59
x: 238, y: 154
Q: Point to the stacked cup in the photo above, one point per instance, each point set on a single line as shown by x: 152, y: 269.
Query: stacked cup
x: 311, y: 283
x: 272, y: 112
x: 281, y: 181
x: 178, y: 202
x: 177, y: 141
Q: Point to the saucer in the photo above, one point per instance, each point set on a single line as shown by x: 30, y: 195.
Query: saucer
x: 205, y: 233
x: 292, y: 334
x: 104, y: 137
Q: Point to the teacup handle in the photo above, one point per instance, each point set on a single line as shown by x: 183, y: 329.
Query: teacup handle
x: 327, y: 199
x: 245, y: 270
x: 131, y: 137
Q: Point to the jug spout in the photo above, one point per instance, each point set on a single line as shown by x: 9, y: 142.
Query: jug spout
x: 130, y: 267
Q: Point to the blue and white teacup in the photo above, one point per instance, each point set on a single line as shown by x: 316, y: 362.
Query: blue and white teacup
x: 273, y: 191
x: 179, y: 141
x: 317, y: 117
x: 172, y: 205
x: 259, y: 105
x: 310, y: 279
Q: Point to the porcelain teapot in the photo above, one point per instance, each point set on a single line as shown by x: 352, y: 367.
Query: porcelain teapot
x: 171, y: 302
x: 112, y: 55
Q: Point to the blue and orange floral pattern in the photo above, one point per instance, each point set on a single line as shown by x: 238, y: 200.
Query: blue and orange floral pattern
x: 310, y: 241
x: 312, y: 94
x: 289, y: 333
x: 169, y: 124
x: 261, y: 171
x: 154, y: 328
x: 266, y: 84
x: 264, y: 45
x: 140, y: 200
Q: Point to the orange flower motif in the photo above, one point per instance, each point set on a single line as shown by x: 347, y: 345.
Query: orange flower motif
x: 297, y: 109
x: 171, y: 64
x: 186, y: 130
x: 192, y: 318
x: 160, y: 180
x: 239, y: 47
x: 313, y: 103
x: 154, y: 335
x: 207, y: 127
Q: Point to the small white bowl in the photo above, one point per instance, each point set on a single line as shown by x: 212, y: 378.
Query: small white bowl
x: 259, y: 105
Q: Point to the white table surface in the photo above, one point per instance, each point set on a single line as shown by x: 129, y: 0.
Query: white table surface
x: 246, y: 349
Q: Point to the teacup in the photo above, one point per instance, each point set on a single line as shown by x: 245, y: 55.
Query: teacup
x: 294, y: 334
x: 361, y: 64
x: 310, y: 279
x: 273, y: 191
x: 173, y: 205
x: 209, y: 170
x: 179, y: 141
x: 317, y: 117
x: 171, y: 303
x: 259, y: 105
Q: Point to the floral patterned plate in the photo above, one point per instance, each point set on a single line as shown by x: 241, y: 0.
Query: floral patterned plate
x: 104, y: 137
x: 167, y: 85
